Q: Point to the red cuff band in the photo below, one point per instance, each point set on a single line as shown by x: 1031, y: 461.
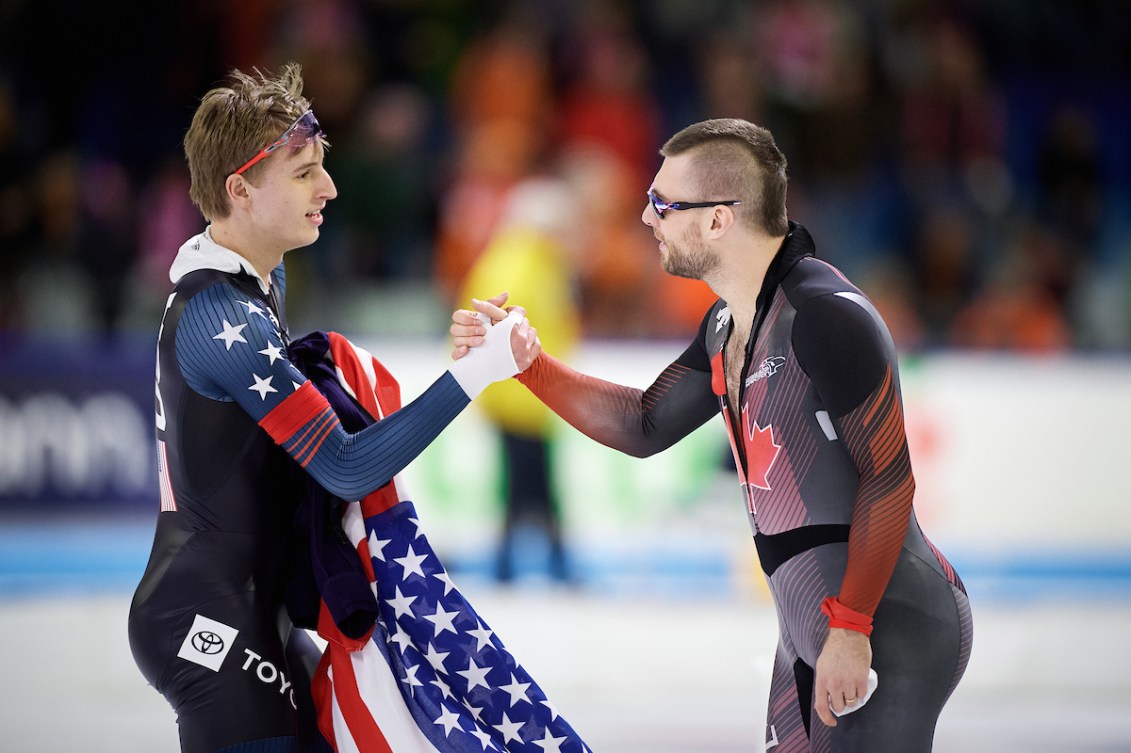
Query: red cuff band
x: 841, y: 616
x: 294, y: 412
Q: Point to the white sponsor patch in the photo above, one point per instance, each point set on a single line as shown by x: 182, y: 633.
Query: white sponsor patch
x: 208, y: 642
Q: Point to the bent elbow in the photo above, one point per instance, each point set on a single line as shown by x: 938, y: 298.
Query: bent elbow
x: 349, y: 489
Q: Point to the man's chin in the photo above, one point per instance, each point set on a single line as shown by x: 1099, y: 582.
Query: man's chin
x: 678, y: 271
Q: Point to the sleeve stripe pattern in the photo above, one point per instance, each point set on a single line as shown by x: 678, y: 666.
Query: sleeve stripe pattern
x: 663, y: 385
x: 874, y: 436
x: 317, y: 433
x: 301, y: 423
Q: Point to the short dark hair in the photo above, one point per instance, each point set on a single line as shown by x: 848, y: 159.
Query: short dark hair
x: 736, y: 159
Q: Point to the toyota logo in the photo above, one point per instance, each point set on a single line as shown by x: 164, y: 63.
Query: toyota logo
x: 207, y: 642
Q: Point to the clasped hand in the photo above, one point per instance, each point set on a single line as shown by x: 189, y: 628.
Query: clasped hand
x: 468, y: 330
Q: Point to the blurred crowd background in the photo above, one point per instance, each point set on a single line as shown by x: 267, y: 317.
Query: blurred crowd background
x: 966, y: 162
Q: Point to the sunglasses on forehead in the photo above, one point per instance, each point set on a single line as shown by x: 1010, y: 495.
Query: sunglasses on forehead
x: 659, y: 206
x: 305, y: 126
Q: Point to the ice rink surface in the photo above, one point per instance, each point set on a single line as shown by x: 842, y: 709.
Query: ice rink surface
x: 633, y: 674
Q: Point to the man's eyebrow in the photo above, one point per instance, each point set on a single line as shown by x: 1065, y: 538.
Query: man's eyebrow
x: 306, y: 164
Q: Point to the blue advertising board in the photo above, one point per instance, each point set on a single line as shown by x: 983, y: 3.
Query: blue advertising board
x: 76, y: 424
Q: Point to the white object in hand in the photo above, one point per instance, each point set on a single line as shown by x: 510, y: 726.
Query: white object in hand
x: 873, y: 681
x: 490, y: 362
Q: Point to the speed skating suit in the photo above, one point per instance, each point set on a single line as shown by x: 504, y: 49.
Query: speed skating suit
x: 235, y: 419
x: 827, y: 486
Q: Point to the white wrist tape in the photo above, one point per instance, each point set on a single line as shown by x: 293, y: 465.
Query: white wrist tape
x: 490, y: 362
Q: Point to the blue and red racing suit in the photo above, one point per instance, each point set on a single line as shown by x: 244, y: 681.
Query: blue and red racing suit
x: 235, y: 421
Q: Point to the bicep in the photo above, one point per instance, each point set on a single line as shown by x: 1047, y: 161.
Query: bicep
x: 840, y: 343
x: 228, y: 351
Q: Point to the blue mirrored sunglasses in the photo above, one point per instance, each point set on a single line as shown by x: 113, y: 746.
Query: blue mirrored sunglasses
x: 660, y: 206
x: 305, y: 124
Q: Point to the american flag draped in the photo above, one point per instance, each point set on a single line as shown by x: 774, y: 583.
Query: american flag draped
x: 431, y: 676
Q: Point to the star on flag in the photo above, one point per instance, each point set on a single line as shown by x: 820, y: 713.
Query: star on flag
x: 432, y: 674
x: 455, y: 674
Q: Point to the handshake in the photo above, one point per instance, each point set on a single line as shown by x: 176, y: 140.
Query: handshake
x: 491, y: 344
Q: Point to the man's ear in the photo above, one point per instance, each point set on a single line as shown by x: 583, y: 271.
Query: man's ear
x: 236, y: 187
x: 722, y: 217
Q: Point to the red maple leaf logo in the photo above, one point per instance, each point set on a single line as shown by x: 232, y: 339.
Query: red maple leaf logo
x: 761, y: 452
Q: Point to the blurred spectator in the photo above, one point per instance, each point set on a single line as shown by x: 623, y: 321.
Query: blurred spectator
x: 107, y: 238
x: 944, y: 264
x: 899, y: 117
x: 504, y: 75
x: 500, y: 102
x: 617, y: 269
x: 387, y: 191
x: 1021, y: 307
x: 730, y: 82
x: 493, y: 157
x: 531, y: 255
x: 953, y: 119
x: 53, y: 293
x: 17, y: 205
x: 1071, y: 190
x: 166, y: 217
x: 818, y: 86
x: 606, y: 100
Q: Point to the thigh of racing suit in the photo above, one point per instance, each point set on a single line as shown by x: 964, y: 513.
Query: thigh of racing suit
x: 920, y: 647
x: 224, y: 669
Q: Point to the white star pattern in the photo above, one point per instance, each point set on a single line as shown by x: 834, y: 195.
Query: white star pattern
x: 253, y: 308
x: 484, y: 739
x: 377, y: 546
x: 445, y: 691
x: 436, y: 658
x: 442, y: 619
x: 446, y: 580
x: 516, y: 690
x: 550, y: 743
x: 401, y: 638
x: 449, y: 720
x: 272, y: 351
x: 509, y: 729
x: 230, y: 335
x: 401, y: 604
x: 475, y: 675
x: 494, y: 701
x: 410, y: 677
x: 475, y: 711
x: 262, y: 386
x: 411, y: 563
x: 482, y: 637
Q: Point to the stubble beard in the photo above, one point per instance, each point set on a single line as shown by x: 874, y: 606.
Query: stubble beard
x: 690, y: 258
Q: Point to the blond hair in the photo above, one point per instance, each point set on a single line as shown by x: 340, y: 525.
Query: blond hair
x: 234, y: 122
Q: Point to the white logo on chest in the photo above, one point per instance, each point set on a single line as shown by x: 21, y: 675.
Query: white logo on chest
x: 766, y: 369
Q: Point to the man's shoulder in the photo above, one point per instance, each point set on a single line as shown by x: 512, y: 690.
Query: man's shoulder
x: 812, y: 277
